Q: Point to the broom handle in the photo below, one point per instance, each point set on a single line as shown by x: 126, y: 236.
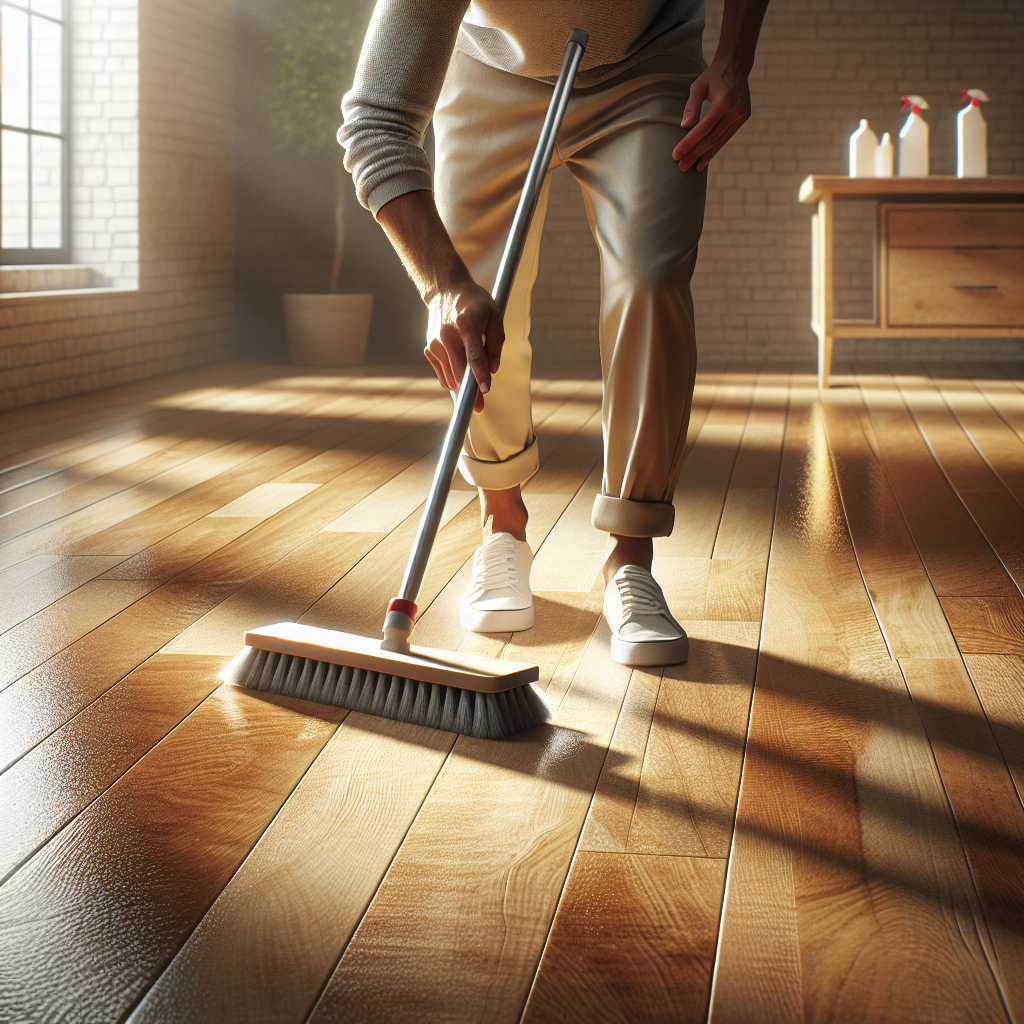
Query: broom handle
x: 459, y: 424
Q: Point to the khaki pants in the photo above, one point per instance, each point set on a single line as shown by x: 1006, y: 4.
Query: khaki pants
x: 646, y: 217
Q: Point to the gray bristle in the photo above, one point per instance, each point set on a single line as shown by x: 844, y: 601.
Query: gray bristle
x: 488, y: 716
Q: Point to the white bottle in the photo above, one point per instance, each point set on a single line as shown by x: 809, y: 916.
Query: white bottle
x: 884, y: 157
x: 914, y: 139
x: 863, y: 143
x: 972, y: 138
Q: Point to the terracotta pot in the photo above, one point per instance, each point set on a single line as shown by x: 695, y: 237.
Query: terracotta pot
x: 327, y: 330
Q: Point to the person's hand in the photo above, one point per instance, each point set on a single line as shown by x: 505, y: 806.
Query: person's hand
x: 464, y: 324
x: 727, y: 91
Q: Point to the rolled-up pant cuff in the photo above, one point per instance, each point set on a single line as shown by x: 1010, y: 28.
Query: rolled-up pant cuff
x: 500, y: 476
x: 628, y: 518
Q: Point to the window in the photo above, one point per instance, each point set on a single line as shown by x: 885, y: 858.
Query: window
x: 33, y: 136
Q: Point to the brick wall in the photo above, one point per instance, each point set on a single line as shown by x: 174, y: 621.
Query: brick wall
x: 821, y: 66
x: 105, y: 139
x: 181, y: 313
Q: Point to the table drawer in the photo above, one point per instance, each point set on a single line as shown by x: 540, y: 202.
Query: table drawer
x: 950, y: 227
x: 955, y: 288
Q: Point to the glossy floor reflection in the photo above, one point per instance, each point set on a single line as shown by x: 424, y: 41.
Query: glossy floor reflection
x: 817, y: 818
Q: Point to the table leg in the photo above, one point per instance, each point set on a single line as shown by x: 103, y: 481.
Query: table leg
x: 824, y: 300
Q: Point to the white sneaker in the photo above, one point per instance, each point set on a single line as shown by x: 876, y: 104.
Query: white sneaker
x: 643, y: 629
x: 499, y: 599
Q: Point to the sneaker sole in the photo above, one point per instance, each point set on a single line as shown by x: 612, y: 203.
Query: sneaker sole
x: 496, y: 621
x: 653, y: 652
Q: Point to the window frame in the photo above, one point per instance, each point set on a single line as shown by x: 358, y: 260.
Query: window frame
x: 62, y: 254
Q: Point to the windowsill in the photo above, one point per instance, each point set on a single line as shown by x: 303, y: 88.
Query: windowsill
x: 60, y: 293
x: 52, y: 280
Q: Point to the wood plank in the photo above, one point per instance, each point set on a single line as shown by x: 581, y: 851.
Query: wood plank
x: 389, y: 505
x: 82, y: 450
x: 704, y: 480
x: 133, y: 500
x: 997, y: 678
x: 1001, y: 448
x: 191, y: 544
x: 999, y: 392
x: 239, y: 966
x: 263, y: 501
x: 846, y: 874
x: 669, y: 784
x: 986, y: 625
x: 645, y: 956
x: 62, y: 623
x: 42, y: 700
x: 466, y: 904
x: 136, y: 463
x: 975, y: 778
x: 929, y: 504
x: 123, y: 506
x: 185, y: 818
x: 16, y: 574
x: 739, y: 561
x: 270, y: 455
x: 907, y: 610
x: 992, y: 507
x: 51, y: 584
x: 50, y: 785
x: 988, y: 812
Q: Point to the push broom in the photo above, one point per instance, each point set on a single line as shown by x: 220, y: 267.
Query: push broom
x: 463, y: 693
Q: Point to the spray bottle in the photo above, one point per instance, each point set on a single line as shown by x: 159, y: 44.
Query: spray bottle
x: 972, y: 137
x: 884, y: 157
x: 914, y: 139
x: 863, y: 143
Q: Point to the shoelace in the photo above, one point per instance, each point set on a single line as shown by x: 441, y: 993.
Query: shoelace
x: 640, y: 595
x: 495, y: 566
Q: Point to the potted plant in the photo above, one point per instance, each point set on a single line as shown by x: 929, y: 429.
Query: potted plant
x: 313, y: 59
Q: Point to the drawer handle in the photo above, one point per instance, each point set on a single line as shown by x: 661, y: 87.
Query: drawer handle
x: 975, y: 246
x: 975, y: 287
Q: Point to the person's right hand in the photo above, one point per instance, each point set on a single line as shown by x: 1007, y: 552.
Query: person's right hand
x: 464, y: 324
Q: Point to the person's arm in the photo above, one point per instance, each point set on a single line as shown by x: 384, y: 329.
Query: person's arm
x: 464, y: 320
x: 724, y: 85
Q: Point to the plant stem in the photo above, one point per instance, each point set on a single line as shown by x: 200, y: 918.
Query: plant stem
x: 339, y: 224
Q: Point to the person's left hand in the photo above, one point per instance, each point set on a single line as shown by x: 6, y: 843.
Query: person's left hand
x: 727, y: 91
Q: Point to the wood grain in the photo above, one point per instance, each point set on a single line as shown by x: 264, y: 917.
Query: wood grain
x: 459, y: 921
x: 57, y: 580
x: 836, y: 822
x: 265, y: 947
x: 929, y: 504
x: 998, y: 515
x: 170, y: 832
x: 369, y: 782
x: 998, y: 679
x: 58, y: 778
x: 988, y: 812
x: 706, y: 473
x: 669, y: 783
x: 185, y: 817
x: 633, y: 941
x: 42, y: 700
x: 991, y: 435
x: 986, y: 625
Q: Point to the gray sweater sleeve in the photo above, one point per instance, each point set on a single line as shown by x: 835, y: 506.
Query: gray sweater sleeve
x: 401, y: 70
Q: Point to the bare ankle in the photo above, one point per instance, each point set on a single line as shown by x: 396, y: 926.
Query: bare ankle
x: 505, y: 511
x: 627, y: 551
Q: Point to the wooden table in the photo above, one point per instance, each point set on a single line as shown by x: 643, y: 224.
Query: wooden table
x: 928, y: 229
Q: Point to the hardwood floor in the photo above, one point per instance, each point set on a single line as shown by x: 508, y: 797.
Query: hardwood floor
x: 818, y: 818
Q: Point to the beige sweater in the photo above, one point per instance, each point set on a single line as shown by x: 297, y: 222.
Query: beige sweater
x: 410, y: 42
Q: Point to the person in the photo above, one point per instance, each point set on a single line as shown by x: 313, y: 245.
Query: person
x: 634, y: 139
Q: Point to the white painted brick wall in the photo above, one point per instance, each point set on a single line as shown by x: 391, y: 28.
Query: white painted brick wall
x: 105, y: 138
